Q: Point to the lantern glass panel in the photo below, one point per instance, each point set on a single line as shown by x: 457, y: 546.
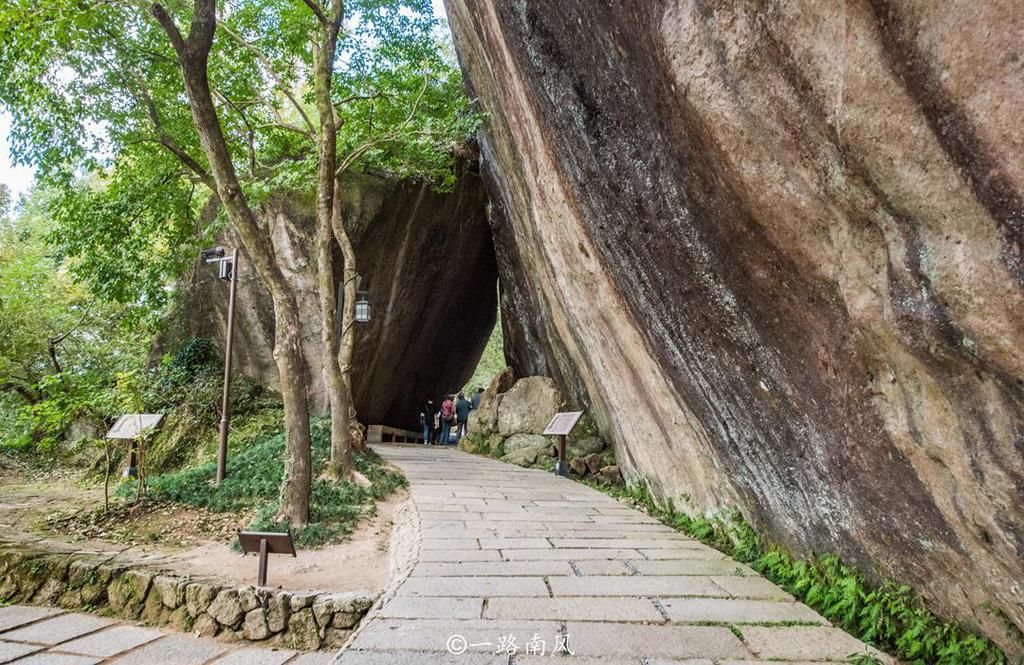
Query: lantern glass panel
x: 362, y: 308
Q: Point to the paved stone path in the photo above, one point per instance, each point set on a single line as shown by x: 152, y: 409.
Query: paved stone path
x: 47, y: 636
x: 516, y: 562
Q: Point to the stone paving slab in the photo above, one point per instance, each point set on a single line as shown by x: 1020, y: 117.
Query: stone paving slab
x: 409, y: 607
x: 177, y: 649
x: 731, y: 610
x: 592, y: 585
x: 803, y: 643
x: 493, y: 568
x: 477, y: 636
x: 574, y: 609
x: 600, y: 639
x: 58, y: 629
x: 691, y: 567
x: 474, y: 586
x: 511, y: 552
x: 254, y: 656
x: 460, y: 555
x: 355, y: 657
x: 111, y: 641
x: 19, y: 615
x: 55, y: 638
x: 11, y: 650
x: 54, y: 658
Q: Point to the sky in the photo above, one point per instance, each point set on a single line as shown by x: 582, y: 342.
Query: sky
x: 19, y: 178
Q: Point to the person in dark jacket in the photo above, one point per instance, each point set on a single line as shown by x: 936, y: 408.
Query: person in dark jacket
x: 475, y: 399
x: 427, y: 412
x: 462, y: 408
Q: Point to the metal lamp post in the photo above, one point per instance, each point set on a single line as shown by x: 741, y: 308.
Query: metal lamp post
x: 227, y: 270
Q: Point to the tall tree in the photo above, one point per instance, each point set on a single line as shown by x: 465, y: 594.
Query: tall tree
x: 280, y: 94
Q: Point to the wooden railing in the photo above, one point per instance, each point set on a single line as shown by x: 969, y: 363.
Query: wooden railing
x: 385, y: 434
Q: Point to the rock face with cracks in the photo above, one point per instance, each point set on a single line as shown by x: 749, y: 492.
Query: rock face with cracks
x: 776, y: 248
x: 427, y: 264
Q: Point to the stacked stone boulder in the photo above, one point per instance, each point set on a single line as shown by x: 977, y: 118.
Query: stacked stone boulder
x: 510, y: 422
x: 306, y: 620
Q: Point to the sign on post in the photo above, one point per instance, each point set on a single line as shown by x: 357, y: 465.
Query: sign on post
x: 130, y: 426
x: 561, y: 426
x: 264, y: 543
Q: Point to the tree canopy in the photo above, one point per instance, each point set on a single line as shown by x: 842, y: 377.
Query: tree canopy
x: 99, y: 108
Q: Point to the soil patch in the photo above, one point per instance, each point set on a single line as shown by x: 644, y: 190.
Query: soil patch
x: 190, y: 541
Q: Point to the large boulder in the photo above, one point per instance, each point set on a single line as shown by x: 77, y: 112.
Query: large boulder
x: 528, y: 406
x: 404, y: 234
x: 522, y: 441
x: 777, y: 249
x: 484, y: 419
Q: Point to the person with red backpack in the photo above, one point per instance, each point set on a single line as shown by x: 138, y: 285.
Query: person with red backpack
x: 447, y: 418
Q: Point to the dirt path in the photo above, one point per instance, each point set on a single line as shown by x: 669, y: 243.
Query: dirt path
x: 191, y: 541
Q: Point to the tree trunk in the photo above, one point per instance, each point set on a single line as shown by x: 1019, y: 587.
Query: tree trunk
x: 193, y: 54
x: 348, y: 317
x: 339, y: 395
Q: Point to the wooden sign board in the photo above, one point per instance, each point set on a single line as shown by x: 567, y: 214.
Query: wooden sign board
x: 277, y: 543
x: 129, y: 426
x: 265, y: 543
x: 562, y: 423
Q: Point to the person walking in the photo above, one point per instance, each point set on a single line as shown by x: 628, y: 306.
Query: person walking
x: 427, y: 421
x: 462, y: 409
x: 447, y: 418
x: 475, y: 400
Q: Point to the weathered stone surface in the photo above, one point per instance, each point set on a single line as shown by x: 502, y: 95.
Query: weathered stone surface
x: 335, y: 638
x: 198, y: 596
x: 523, y: 441
x: 278, y: 611
x: 206, y: 626
x: 522, y: 457
x: 255, y: 626
x: 778, y: 253
x: 250, y: 598
x: 171, y: 590
x: 127, y: 594
x: 405, y: 234
x: 586, y: 446
x: 484, y: 419
x: 226, y: 608
x: 302, y: 600
x: 528, y: 406
x: 302, y: 633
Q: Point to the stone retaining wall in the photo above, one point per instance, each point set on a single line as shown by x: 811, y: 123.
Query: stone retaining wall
x: 75, y: 581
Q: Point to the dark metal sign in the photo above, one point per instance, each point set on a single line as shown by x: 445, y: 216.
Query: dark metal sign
x: 562, y: 423
x: 264, y: 543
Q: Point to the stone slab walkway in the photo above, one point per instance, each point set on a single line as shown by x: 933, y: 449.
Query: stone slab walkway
x: 517, y: 565
x: 47, y: 636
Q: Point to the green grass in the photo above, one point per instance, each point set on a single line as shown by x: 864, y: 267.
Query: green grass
x: 889, y: 616
x: 254, y: 479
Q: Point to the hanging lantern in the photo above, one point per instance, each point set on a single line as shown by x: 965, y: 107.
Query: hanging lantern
x: 362, y: 307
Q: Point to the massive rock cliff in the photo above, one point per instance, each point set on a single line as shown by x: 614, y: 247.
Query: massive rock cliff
x: 427, y: 263
x: 777, y: 248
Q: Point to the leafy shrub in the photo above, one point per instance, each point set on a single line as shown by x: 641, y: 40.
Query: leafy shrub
x: 253, y: 480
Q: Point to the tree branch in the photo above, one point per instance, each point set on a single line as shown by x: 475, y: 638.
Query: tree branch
x: 167, y: 23
x: 317, y: 10
x: 165, y: 139
x: 268, y: 66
